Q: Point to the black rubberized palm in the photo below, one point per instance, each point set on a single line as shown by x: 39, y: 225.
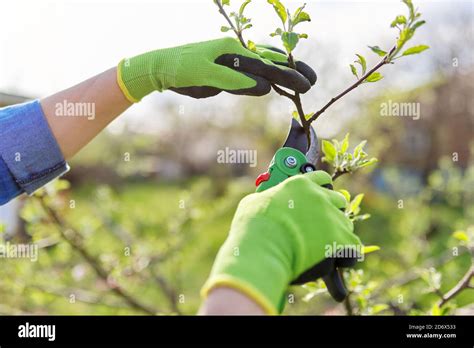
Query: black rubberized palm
x: 299, y: 80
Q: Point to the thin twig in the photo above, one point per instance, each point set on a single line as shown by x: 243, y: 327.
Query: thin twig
x: 338, y: 173
x: 385, y: 60
x: 76, y: 244
x: 295, y: 98
x: 237, y: 33
x: 167, y: 290
x: 414, y: 273
x: 460, y: 286
x: 127, y: 238
x: 80, y: 295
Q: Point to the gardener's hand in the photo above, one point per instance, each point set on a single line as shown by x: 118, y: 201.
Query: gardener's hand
x: 205, y: 69
x: 281, y: 233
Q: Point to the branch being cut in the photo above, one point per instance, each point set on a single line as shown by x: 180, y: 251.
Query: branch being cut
x: 295, y: 98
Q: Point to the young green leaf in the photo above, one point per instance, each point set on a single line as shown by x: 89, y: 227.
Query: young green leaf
x: 362, y: 63
x: 461, y: 235
x: 378, y: 50
x: 251, y: 45
x: 361, y: 217
x: 301, y: 17
x: 378, y: 308
x: 329, y: 151
x: 290, y: 40
x: 358, y: 148
x: 435, y: 310
x: 369, y: 162
x: 374, y: 77
x: 308, y: 116
x: 415, y: 50
x: 400, y: 19
x: 417, y: 25
x: 405, y: 35
x: 355, y: 204
x: 242, y: 7
x: 346, y: 194
x: 303, y: 36
x: 244, y: 20
x: 354, y: 70
x: 225, y: 29
x: 277, y: 32
x: 410, y: 7
x: 279, y: 9
x: 345, y: 143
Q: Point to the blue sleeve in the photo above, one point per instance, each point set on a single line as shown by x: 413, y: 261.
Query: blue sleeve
x: 29, y: 154
x: 8, y: 187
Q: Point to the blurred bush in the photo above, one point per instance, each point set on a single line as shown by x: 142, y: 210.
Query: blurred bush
x: 137, y: 229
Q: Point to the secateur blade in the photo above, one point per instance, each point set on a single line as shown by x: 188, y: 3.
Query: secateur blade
x: 297, y: 139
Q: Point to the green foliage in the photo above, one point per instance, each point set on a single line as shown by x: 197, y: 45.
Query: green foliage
x: 406, y: 27
x: 279, y: 9
x: 241, y: 22
x: 361, y: 289
x: 374, y: 77
x: 180, y: 244
x: 377, y: 50
x: 432, y: 278
x: 363, y: 64
x: 289, y: 38
x: 171, y: 247
x: 342, y: 161
x: 251, y: 45
x: 415, y: 50
x: 314, y: 289
x: 361, y: 61
x: 461, y: 236
x: 400, y: 19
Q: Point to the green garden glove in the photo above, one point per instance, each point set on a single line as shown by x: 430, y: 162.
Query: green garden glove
x: 282, y: 233
x: 205, y: 69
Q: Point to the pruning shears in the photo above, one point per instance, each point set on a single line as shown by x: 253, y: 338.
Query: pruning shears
x: 299, y: 155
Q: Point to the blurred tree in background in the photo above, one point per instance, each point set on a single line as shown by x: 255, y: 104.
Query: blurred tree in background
x: 136, y: 224
x: 128, y: 236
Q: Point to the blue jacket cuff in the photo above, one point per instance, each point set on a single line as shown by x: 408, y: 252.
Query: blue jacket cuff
x: 28, y: 146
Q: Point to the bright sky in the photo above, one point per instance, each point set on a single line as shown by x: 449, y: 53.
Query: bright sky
x: 48, y: 45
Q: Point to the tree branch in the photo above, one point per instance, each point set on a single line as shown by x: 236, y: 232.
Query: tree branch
x: 338, y: 173
x: 384, y: 61
x: 237, y: 32
x: 460, y: 286
x: 348, y: 305
x: 124, y: 236
x: 295, y: 98
x: 74, y: 240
